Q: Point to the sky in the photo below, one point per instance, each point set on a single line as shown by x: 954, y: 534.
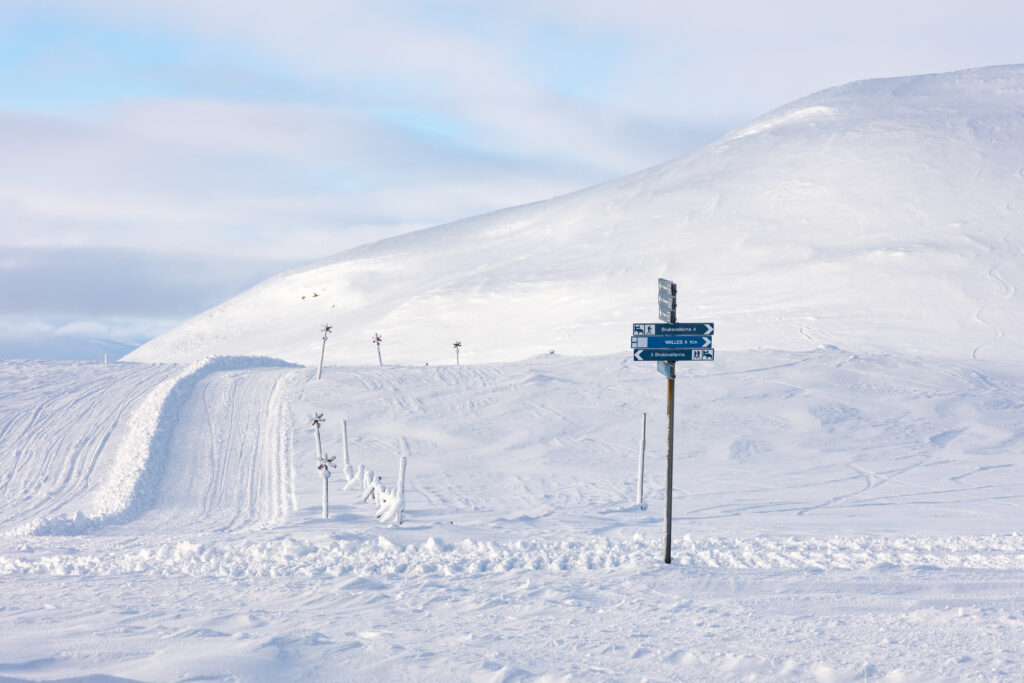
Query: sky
x: 158, y: 157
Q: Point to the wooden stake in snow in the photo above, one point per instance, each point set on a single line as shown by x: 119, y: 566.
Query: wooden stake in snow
x: 457, y: 345
x: 326, y: 329
x: 640, y: 467
x: 377, y: 340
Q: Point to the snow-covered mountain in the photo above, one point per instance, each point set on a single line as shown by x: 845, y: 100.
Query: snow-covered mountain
x: 883, y: 215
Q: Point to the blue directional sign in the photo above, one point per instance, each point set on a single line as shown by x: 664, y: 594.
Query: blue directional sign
x: 673, y: 354
x: 674, y: 329
x: 670, y: 342
x: 667, y: 369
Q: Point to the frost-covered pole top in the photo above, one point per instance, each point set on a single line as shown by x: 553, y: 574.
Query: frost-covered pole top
x: 376, y: 341
x: 323, y: 463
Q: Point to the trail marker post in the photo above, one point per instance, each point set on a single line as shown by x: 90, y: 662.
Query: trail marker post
x: 322, y: 461
x: 346, y: 464
x: 326, y: 329
x: 377, y: 340
x: 667, y: 343
x: 640, y: 467
x: 457, y: 345
x: 322, y: 464
x: 318, y: 420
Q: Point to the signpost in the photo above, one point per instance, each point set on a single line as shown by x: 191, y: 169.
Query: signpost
x: 672, y: 355
x: 669, y: 342
x: 662, y: 329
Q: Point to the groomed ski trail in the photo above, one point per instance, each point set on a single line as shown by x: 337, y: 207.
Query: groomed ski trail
x: 230, y: 465
x: 217, y: 418
x: 59, y: 427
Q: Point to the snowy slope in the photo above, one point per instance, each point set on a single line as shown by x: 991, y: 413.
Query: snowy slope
x: 880, y: 215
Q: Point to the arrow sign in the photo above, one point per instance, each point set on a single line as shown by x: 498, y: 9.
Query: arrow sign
x: 674, y: 329
x: 673, y: 354
x: 670, y: 342
x: 666, y: 287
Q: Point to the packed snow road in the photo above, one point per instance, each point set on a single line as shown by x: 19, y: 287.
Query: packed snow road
x: 821, y: 497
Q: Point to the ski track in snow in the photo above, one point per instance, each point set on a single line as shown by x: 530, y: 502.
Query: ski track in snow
x: 1007, y: 289
x: 56, y: 424
x: 234, y: 431
x: 151, y: 447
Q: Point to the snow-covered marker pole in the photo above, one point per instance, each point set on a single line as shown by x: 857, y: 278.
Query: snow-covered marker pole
x: 458, y: 346
x: 326, y: 329
x: 318, y: 420
x: 400, y: 502
x: 640, y: 467
x: 668, y: 343
x: 392, y: 501
x: 345, y: 463
x: 323, y: 464
x: 377, y: 340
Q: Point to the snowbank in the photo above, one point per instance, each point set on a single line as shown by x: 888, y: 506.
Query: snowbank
x: 289, y: 556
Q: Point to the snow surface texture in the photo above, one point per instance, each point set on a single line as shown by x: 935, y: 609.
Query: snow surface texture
x: 838, y: 516
x: 883, y: 215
